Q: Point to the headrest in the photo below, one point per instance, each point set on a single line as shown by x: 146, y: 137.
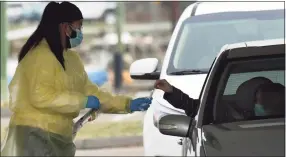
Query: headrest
x: 245, y: 93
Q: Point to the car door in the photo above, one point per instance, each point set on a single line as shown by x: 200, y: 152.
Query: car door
x: 244, y: 136
x: 247, y: 138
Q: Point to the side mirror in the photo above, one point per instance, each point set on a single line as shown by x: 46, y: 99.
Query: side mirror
x: 175, y: 125
x: 145, y: 69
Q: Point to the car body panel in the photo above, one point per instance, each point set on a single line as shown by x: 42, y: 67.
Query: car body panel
x: 255, y: 138
x: 160, y: 145
x: 184, y: 83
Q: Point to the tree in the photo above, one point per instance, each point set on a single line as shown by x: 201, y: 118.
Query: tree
x: 175, y: 9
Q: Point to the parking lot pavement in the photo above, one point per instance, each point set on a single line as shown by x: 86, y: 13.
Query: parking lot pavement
x: 129, y: 151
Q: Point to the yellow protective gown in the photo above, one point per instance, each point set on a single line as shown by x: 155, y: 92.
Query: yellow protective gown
x: 45, y: 96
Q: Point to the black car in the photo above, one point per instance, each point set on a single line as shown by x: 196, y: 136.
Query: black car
x: 226, y: 122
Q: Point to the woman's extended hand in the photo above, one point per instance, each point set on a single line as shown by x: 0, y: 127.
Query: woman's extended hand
x: 164, y: 86
x: 140, y: 104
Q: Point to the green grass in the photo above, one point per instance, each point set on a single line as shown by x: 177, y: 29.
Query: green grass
x: 110, y: 129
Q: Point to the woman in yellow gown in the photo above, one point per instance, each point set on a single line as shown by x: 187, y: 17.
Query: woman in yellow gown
x: 50, y: 87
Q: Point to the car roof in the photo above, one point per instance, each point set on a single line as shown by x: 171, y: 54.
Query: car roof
x: 216, y: 7
x: 200, y: 8
x: 254, y: 48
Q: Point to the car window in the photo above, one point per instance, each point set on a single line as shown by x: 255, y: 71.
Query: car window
x: 201, y: 37
x: 237, y: 79
x: 253, y: 89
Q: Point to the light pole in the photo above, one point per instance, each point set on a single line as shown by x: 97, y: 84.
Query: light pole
x: 119, y: 25
x: 4, y: 51
x: 118, y: 63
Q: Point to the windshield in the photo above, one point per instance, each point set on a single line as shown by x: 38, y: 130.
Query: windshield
x: 201, y: 37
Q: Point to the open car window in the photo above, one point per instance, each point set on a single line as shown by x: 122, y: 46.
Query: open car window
x: 251, y: 89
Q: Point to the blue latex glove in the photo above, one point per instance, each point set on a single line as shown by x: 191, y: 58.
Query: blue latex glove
x: 92, y: 102
x: 140, y: 104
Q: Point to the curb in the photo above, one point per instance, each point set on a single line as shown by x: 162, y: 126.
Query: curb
x: 113, y: 142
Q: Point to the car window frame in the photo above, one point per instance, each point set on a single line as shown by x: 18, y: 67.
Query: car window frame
x: 222, y: 85
x: 205, y: 97
x: 201, y: 93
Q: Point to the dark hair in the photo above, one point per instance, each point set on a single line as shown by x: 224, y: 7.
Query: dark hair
x: 272, y: 96
x: 48, y: 28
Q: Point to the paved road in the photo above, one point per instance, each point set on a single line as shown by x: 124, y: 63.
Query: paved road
x: 131, y: 151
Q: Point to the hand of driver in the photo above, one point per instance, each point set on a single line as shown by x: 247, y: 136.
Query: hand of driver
x: 163, y: 85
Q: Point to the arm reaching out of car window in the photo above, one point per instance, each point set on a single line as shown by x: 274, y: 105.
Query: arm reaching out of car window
x: 177, y: 98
